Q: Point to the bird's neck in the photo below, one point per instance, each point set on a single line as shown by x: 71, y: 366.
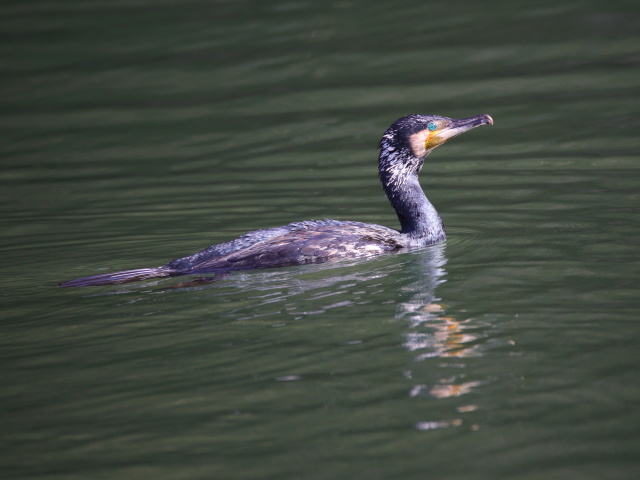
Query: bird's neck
x: 418, y: 217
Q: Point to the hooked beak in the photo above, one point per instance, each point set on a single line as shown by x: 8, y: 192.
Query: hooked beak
x: 455, y: 128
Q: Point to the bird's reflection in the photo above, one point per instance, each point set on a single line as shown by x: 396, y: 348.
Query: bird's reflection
x: 434, y: 334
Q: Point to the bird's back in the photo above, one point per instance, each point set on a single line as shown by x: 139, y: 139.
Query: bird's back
x: 298, y: 243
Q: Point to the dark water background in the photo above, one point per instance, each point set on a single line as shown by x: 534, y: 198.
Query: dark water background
x: 134, y: 132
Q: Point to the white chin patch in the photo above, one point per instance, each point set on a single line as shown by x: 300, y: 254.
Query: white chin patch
x: 417, y: 142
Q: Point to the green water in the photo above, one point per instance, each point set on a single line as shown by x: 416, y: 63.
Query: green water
x: 137, y: 132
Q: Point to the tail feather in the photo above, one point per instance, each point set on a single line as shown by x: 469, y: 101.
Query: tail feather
x: 117, y: 278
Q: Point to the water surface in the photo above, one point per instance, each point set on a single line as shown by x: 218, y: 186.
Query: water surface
x: 137, y: 132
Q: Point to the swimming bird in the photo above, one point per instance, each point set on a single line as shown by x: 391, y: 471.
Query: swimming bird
x: 403, y: 149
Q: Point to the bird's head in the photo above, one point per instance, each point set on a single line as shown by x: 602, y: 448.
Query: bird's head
x: 418, y: 135
x: 410, y: 139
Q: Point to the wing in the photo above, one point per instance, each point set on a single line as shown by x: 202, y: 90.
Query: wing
x: 221, y: 250
x: 307, y: 242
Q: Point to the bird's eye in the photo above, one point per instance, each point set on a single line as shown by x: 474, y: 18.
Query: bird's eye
x: 431, y: 126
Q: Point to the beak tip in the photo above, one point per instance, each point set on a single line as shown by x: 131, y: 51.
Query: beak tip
x: 489, y: 119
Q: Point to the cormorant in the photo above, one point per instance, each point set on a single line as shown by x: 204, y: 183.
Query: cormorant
x: 403, y: 149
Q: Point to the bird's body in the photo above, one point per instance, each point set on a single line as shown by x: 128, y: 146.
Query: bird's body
x: 402, y: 151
